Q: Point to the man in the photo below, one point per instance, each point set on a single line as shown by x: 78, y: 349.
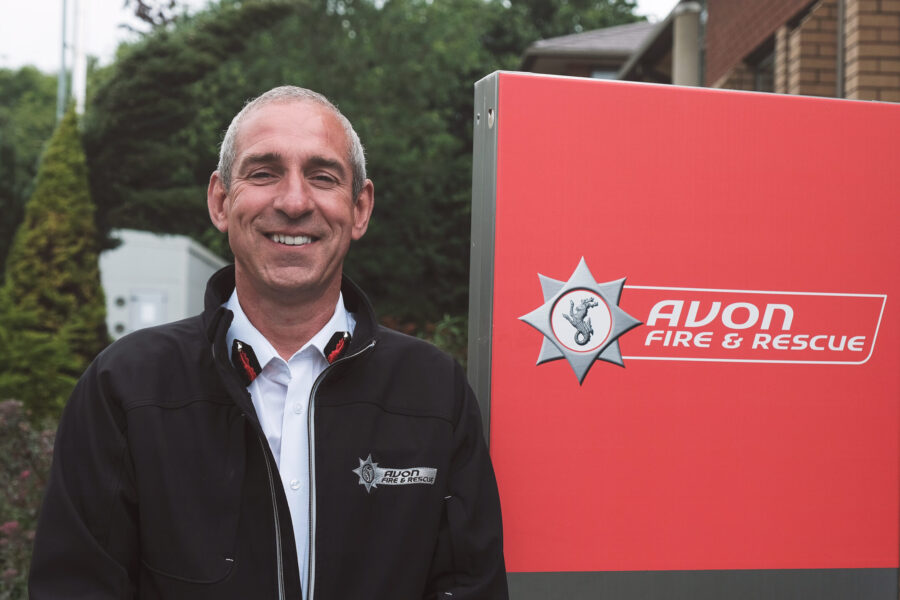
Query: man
x: 281, y: 444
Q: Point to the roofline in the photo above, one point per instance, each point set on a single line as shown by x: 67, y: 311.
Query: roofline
x: 576, y: 52
x: 647, y: 44
x: 530, y: 57
x: 549, y: 50
x: 585, y: 33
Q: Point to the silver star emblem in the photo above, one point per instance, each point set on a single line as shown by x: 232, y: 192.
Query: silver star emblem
x: 368, y: 473
x: 580, y: 320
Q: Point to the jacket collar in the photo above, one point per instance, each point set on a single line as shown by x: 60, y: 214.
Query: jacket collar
x: 216, y: 319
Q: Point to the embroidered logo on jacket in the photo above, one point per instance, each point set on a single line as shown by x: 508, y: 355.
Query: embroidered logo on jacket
x: 371, y: 475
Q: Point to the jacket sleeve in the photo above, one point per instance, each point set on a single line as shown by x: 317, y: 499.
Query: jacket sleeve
x: 468, y: 562
x: 86, y: 544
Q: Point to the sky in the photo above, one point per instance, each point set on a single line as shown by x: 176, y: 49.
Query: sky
x: 30, y: 30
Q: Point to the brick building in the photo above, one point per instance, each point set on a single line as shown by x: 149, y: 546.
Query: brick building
x: 835, y: 48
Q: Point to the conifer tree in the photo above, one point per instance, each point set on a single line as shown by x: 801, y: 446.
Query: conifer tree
x: 52, y: 309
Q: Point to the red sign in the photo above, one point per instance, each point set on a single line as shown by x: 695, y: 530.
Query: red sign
x: 755, y: 422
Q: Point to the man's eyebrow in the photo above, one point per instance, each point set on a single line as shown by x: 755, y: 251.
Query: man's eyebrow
x: 252, y: 160
x: 327, y: 163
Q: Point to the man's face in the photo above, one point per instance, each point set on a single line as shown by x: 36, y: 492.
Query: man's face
x: 290, y: 214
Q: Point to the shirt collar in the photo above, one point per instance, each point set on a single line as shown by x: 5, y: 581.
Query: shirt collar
x: 242, y: 329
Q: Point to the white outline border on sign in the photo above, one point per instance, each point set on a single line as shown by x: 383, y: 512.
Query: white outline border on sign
x: 747, y: 360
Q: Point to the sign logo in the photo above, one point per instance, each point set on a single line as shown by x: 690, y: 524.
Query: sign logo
x: 580, y: 320
x: 371, y: 475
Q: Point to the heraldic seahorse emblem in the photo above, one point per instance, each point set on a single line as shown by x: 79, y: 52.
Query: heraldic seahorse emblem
x: 580, y: 321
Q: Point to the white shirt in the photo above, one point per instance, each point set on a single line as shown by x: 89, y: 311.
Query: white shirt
x: 280, y: 395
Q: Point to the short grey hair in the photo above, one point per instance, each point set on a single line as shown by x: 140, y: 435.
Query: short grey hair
x: 291, y: 93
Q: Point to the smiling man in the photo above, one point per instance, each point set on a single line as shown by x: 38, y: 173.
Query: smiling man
x: 281, y: 444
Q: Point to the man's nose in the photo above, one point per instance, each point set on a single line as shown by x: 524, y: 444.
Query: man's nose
x: 294, y: 196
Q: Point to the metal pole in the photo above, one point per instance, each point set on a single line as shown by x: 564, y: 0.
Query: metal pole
x: 61, y: 78
x: 79, y: 60
x: 686, y: 44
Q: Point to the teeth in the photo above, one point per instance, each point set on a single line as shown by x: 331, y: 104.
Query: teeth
x: 290, y: 240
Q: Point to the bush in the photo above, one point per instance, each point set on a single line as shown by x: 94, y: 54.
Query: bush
x: 25, y: 456
x: 52, y: 309
x: 450, y: 334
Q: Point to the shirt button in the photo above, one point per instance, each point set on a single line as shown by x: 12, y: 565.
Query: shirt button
x: 298, y: 408
x: 295, y: 484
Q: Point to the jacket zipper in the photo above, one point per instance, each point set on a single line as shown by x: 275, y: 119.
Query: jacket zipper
x: 311, y: 564
x: 279, y: 559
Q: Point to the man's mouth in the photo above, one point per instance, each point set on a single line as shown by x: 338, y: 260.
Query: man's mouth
x: 290, y: 240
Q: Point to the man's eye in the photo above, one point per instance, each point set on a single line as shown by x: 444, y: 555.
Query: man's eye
x: 324, y: 179
x: 261, y: 175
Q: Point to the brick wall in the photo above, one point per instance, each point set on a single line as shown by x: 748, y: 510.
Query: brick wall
x: 803, y: 37
x: 735, y: 28
x: 812, y: 52
x: 872, y: 50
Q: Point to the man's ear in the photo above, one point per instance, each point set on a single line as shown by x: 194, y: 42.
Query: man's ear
x: 362, y: 209
x: 216, y: 202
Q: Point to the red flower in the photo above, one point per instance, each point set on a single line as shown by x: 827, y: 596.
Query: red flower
x: 9, y: 527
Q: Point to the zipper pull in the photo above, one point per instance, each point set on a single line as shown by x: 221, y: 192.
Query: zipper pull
x: 337, y: 345
x: 244, y: 360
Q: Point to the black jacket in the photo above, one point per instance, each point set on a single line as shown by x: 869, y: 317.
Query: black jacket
x: 163, y: 484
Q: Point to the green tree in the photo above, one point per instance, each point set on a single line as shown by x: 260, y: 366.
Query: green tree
x: 551, y: 18
x: 52, y: 311
x: 412, y: 104
x: 149, y: 169
x: 27, y: 119
x: 156, y: 13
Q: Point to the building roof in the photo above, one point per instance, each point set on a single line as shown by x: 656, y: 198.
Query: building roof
x: 656, y: 47
x: 612, y: 42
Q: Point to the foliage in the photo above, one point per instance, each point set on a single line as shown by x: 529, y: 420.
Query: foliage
x: 25, y: 456
x: 52, y: 311
x: 27, y: 118
x: 551, y: 18
x: 450, y: 334
x: 156, y: 13
x: 401, y: 70
x: 412, y: 104
x: 148, y: 159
